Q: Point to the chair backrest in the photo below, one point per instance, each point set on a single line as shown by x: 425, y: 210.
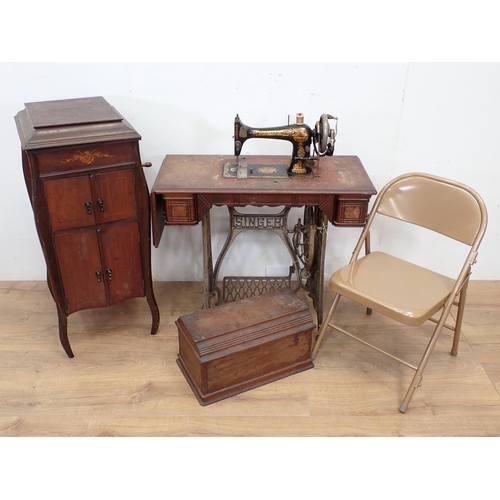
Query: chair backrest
x: 439, y: 204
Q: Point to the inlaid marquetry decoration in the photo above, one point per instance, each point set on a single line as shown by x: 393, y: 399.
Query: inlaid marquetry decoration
x: 87, y: 157
x: 352, y: 212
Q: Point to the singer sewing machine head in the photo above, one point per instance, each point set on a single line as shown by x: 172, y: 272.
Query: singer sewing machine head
x: 308, y: 145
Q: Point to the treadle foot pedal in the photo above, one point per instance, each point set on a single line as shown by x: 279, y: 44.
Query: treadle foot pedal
x: 243, y: 287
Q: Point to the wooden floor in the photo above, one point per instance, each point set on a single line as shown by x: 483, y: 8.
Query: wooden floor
x: 125, y: 382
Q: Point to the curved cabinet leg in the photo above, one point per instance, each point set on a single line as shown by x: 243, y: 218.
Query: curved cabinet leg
x: 63, y: 333
x: 49, y: 284
x: 155, y: 312
x: 62, y: 320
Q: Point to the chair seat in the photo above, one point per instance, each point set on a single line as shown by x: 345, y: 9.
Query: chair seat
x: 403, y: 291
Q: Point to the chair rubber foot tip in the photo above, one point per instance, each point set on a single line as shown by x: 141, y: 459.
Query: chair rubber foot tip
x: 454, y: 353
x: 403, y: 408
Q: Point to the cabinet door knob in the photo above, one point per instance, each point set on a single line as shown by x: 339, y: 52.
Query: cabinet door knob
x: 100, y: 202
x: 98, y: 274
x: 147, y: 164
x: 88, y: 205
x: 109, y: 272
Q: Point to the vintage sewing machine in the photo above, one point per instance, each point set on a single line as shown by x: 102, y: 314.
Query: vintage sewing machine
x: 308, y: 146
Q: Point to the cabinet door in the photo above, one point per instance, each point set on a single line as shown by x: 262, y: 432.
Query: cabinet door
x: 121, y: 258
x: 114, y: 195
x: 81, y: 270
x: 70, y: 202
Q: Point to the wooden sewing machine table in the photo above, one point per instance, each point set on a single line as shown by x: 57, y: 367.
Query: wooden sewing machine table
x: 188, y: 186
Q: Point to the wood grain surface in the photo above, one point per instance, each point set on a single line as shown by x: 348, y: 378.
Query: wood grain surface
x: 125, y: 382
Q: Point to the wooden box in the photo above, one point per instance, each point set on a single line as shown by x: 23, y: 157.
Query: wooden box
x: 241, y: 345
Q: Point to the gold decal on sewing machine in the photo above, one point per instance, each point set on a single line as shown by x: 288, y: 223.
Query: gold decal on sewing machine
x: 267, y: 170
x: 87, y: 157
x: 298, y: 168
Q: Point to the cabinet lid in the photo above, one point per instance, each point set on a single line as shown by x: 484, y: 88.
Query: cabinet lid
x: 70, y: 122
x: 248, y: 321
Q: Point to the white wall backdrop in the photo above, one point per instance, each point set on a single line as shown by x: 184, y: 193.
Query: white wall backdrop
x: 441, y: 118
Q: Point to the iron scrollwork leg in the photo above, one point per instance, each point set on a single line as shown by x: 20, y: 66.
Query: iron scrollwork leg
x: 309, y: 243
x: 318, y: 270
x: 239, y: 222
x: 306, y: 247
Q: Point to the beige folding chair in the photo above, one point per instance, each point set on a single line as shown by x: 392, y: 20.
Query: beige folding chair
x: 403, y: 291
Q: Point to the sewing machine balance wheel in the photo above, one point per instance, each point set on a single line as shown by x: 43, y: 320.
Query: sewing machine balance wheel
x: 323, y: 133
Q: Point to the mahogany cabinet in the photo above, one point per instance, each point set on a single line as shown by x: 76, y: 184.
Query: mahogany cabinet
x: 90, y: 200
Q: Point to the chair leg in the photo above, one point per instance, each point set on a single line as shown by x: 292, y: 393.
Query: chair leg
x: 324, y: 326
x: 367, y: 251
x: 415, y: 384
x: 417, y: 378
x: 460, y: 316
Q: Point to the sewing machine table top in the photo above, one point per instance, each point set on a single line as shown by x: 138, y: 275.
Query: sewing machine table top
x: 188, y: 186
x: 204, y: 174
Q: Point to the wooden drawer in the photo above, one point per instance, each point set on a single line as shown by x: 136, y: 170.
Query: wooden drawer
x: 180, y: 209
x: 85, y: 157
x: 351, y: 211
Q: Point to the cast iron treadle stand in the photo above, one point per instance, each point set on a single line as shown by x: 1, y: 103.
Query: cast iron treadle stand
x: 305, y: 244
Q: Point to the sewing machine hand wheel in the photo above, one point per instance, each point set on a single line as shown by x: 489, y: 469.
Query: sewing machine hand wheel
x: 325, y: 136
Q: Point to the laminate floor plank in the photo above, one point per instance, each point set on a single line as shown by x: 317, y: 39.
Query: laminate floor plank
x: 125, y: 382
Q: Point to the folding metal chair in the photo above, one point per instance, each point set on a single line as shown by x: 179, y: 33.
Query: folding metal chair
x: 404, y: 291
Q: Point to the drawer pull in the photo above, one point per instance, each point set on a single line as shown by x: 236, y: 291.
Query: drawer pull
x: 88, y: 205
x: 98, y: 274
x: 100, y: 202
x: 109, y: 272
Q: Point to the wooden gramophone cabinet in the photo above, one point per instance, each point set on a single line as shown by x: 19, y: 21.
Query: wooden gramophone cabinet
x: 90, y: 200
